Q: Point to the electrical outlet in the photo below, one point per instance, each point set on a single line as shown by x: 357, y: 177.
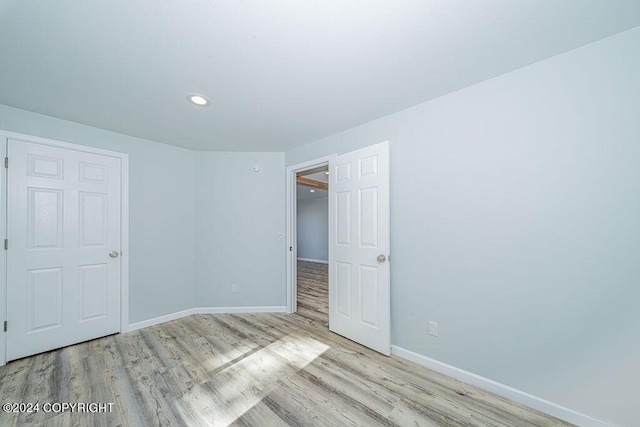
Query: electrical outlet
x: 433, y: 328
x: 281, y: 237
x: 234, y: 289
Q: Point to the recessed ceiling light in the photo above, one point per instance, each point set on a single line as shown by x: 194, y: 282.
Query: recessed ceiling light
x: 198, y: 99
x: 312, y: 191
x: 326, y: 173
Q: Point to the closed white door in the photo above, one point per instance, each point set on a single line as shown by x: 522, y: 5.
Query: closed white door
x: 63, y: 229
x: 359, y: 273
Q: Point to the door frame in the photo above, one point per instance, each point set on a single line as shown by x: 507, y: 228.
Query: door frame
x: 124, y: 224
x: 292, y: 226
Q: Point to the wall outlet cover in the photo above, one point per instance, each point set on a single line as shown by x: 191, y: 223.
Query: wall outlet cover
x: 433, y: 328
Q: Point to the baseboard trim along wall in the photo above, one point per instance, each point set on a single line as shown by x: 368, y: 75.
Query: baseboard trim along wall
x: 319, y: 261
x: 202, y: 310
x: 500, y: 389
x: 230, y: 310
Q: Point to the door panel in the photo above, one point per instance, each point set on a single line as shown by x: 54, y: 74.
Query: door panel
x: 359, y: 284
x: 93, y: 219
x: 343, y: 288
x: 343, y: 218
x: 44, y: 310
x: 94, y: 291
x: 45, y: 218
x: 64, y: 213
x: 45, y: 167
x: 368, y: 217
x: 369, y: 288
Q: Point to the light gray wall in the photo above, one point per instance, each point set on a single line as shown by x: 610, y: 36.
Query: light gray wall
x: 313, y: 225
x: 515, y: 206
x: 240, y: 214
x: 161, y: 210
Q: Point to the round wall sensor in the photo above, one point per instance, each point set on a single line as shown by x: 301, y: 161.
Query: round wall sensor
x: 257, y: 168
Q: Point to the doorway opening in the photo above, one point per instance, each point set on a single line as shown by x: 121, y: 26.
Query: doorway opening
x: 312, y: 238
x: 311, y: 173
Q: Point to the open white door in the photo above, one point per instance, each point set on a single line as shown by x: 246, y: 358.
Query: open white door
x: 64, y: 238
x: 359, y: 273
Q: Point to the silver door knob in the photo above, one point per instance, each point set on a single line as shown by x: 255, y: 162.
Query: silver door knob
x: 113, y: 254
x: 382, y: 258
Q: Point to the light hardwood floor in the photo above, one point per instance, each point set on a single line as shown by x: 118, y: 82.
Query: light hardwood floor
x: 248, y: 370
x: 313, y: 292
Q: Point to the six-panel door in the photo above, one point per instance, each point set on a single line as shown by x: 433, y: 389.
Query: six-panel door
x: 359, y: 281
x: 64, y: 214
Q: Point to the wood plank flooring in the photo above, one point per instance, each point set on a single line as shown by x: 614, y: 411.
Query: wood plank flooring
x: 248, y: 370
x: 313, y: 291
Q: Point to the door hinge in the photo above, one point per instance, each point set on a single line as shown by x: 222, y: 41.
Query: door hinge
x: 5, y: 326
x: 6, y: 244
x: 6, y: 162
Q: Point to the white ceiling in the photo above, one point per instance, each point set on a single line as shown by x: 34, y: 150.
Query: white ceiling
x: 280, y: 73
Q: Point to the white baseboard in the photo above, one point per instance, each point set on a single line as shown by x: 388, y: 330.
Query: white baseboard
x: 203, y: 310
x: 238, y: 310
x: 158, y: 320
x: 500, y: 389
x: 319, y: 261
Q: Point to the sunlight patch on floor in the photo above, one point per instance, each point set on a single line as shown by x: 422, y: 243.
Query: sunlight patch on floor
x: 239, y: 387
